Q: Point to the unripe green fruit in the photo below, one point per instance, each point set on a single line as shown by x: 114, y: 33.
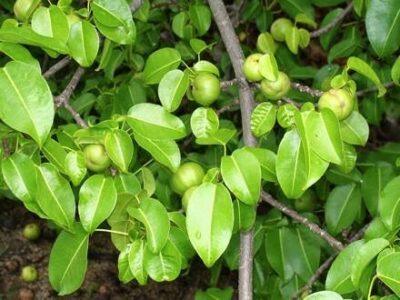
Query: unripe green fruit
x: 250, y: 67
x: 280, y: 27
x: 96, y: 158
x: 340, y: 101
x: 31, y: 231
x: 29, y: 274
x: 188, y: 175
x: 277, y: 89
x: 205, y: 88
x: 242, y: 36
x: 186, y: 197
x: 306, y: 202
x: 23, y: 9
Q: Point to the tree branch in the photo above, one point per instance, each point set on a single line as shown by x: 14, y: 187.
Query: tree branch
x: 306, y: 89
x: 236, y: 56
x: 336, y: 244
x: 374, y: 89
x: 57, y: 67
x: 334, y: 22
x: 63, y: 98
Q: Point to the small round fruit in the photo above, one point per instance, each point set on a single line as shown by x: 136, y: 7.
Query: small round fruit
x: 205, y: 88
x: 31, y: 231
x: 186, y: 196
x: 188, y: 175
x: 275, y: 90
x: 340, y: 101
x: 96, y: 158
x: 250, y: 67
x: 242, y: 36
x: 306, y: 202
x: 280, y: 27
x: 29, y: 274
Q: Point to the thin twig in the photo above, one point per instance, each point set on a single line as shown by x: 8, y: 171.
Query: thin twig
x: 374, y: 89
x: 334, y: 22
x: 306, y: 89
x: 57, y: 67
x: 63, y: 98
x: 226, y: 84
x: 336, y: 244
x: 228, y: 106
x: 236, y: 56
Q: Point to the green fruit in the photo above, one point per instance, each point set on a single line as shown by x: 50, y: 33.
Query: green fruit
x: 186, y: 196
x: 266, y: 43
x: 306, y: 202
x: 280, y: 28
x: 250, y: 67
x: 188, y: 175
x: 96, y: 158
x: 205, y: 88
x: 29, y: 274
x: 23, y: 9
x: 275, y: 90
x: 31, y: 231
x: 340, y: 101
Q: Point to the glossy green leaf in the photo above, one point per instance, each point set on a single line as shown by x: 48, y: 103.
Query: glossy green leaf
x: 164, y: 151
x: 209, y: 221
x: 296, y: 7
x: 120, y: 149
x: 292, y: 39
x: 354, y: 129
x: 389, y: 204
x: 124, y: 272
x: 26, y: 103
x: 268, y: 67
x: 83, y: 43
x: 200, y: 15
x: 75, y: 166
x: 204, y: 122
x: 97, y: 199
x: 148, y: 181
x: 245, y: 216
x: 55, y: 154
x: 206, y: 66
x: 172, y: 88
x: 154, y: 217
x: 68, y: 260
x: 324, y: 295
x: 154, y: 122
x: 342, y: 207
x: 395, y: 72
x: 136, y: 261
x: 17, y: 172
x: 19, y: 53
x: 267, y: 160
x: 387, y: 271
x: 385, y: 38
x: 54, y: 196
x: 263, y: 118
x: 365, y: 254
x: 159, y: 63
x: 221, y: 137
x: 241, y: 173
x: 51, y: 22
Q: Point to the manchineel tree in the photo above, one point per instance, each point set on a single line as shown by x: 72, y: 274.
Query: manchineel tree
x: 167, y: 123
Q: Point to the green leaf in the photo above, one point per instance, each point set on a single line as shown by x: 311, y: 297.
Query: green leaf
x: 354, y: 129
x: 136, y: 261
x: 119, y: 148
x: 200, y: 15
x: 164, y: 151
x: 373, y: 182
x: 97, y: 199
x: 268, y: 67
x: 172, y: 88
x: 54, y: 196
x: 361, y: 67
x: 51, y: 22
x: 365, y: 254
x: 154, y: 217
x: 263, y: 118
x: 324, y: 295
x: 221, y: 137
x: 385, y: 38
x: 338, y: 278
x: 387, y: 271
x: 154, y: 122
x: 19, y: 53
x: 267, y: 160
x: 209, y: 221
x: 395, y: 72
x: 55, y: 154
x: 124, y: 272
x: 83, y: 43
x: 245, y: 216
x: 204, y: 122
x: 164, y: 265
x: 68, y: 260
x: 214, y: 293
x: 346, y: 47
x: 241, y: 173
x: 342, y: 207
x: 206, y: 66
x: 159, y: 63
x: 292, y: 39
x: 111, y: 13
x: 180, y: 240
x: 75, y: 166
x: 389, y: 205
x: 296, y: 7
x: 324, y: 134
x: 26, y: 103
x: 148, y: 180
x: 17, y: 172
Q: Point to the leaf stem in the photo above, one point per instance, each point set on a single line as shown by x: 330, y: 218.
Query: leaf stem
x: 371, y: 285
x: 143, y: 166
x: 111, y: 231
